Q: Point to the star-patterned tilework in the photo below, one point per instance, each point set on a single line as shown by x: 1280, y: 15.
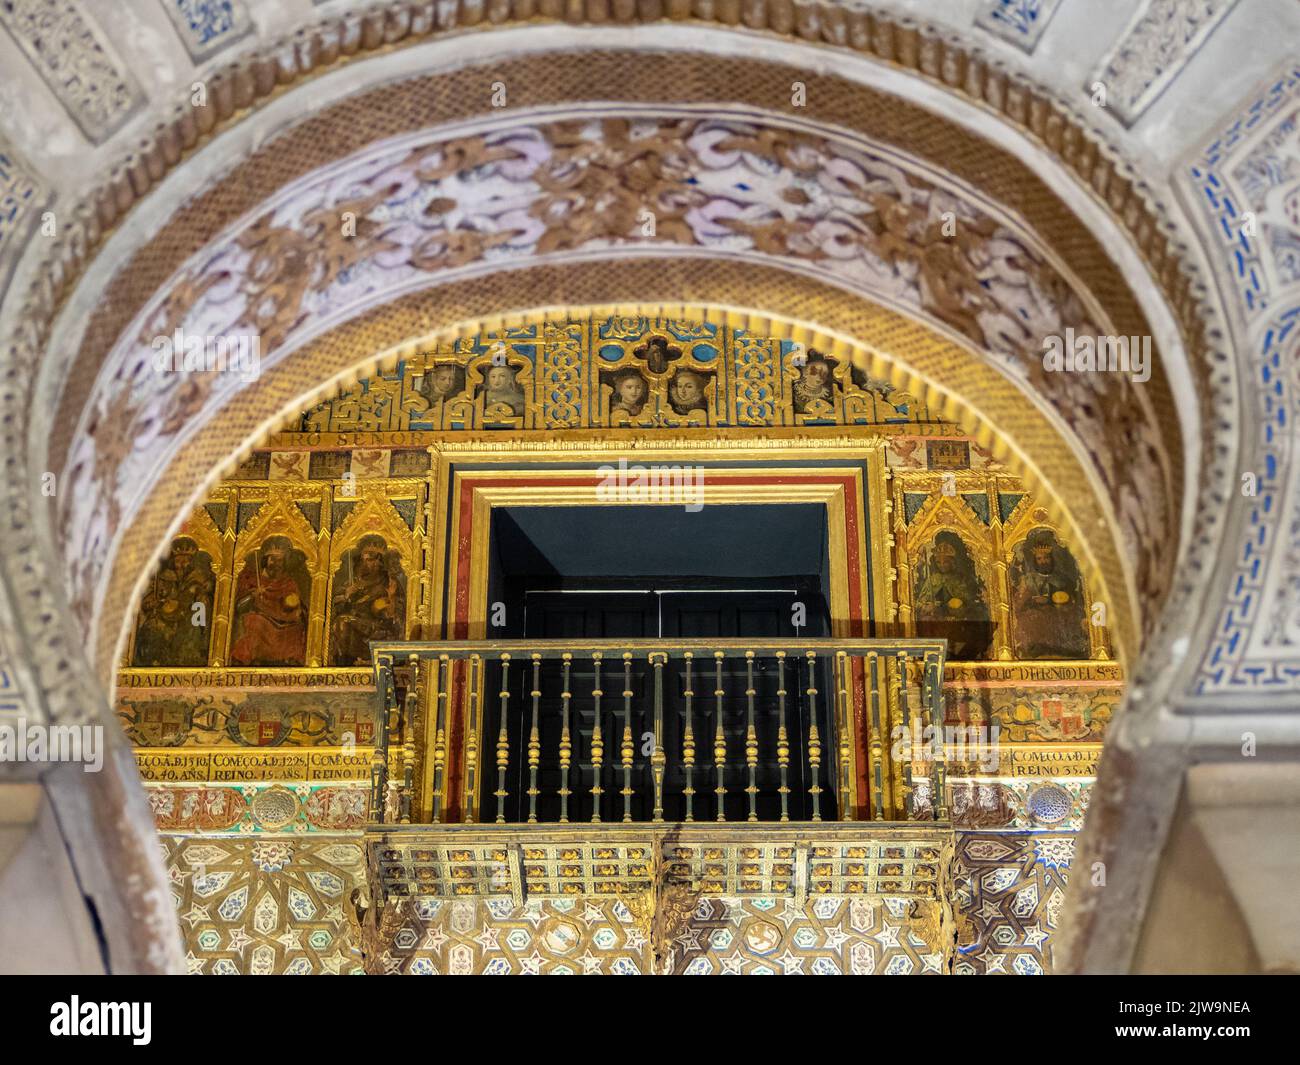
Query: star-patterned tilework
x: 1010, y: 888
x: 266, y: 905
x: 830, y: 935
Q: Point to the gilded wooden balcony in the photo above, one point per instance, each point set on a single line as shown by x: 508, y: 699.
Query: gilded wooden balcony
x: 657, y: 732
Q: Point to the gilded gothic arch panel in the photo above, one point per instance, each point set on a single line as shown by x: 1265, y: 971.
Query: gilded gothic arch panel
x: 893, y: 347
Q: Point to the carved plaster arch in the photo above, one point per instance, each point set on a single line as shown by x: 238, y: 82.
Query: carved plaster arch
x: 901, y: 43
x: 874, y: 207
x: 948, y: 71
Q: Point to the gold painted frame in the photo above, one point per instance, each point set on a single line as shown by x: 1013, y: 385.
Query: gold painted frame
x: 991, y: 546
x: 372, y: 515
x: 872, y: 590
x: 890, y: 346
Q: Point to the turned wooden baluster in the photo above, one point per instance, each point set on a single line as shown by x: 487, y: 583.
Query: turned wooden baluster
x: 503, y: 741
x: 814, y: 739
x: 476, y: 673
x: 688, y: 741
x: 844, y: 725
x: 629, y: 750
x: 535, y: 740
x: 597, y: 745
x: 658, y: 760
x: 874, y: 666
x: 379, y: 753
x: 782, y: 737
x: 905, y: 719
x: 933, y: 696
x: 719, y: 740
x: 566, y: 743
x: 408, y: 739
x: 751, y: 738
x: 441, y: 670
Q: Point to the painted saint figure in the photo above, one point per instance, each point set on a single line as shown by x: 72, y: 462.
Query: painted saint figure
x: 368, y: 602
x: 657, y: 354
x: 1047, y: 608
x: 271, y: 607
x: 950, y: 601
x: 175, y: 614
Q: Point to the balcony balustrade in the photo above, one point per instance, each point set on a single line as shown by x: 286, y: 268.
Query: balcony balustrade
x: 658, y: 731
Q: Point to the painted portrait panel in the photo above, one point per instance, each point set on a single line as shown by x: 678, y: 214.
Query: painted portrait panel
x: 271, y: 601
x: 503, y: 395
x: 174, y: 624
x: 368, y: 601
x: 442, y: 382
x: 686, y: 391
x: 629, y: 393
x: 949, y: 599
x: 814, y: 391
x: 1047, y: 605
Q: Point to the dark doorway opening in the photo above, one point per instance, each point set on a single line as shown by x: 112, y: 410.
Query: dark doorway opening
x: 639, y: 574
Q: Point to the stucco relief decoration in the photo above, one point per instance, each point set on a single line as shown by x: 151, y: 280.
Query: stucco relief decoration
x: 70, y: 52
x: 20, y: 192
x: 1158, y: 43
x: 208, y: 26
x: 423, y: 208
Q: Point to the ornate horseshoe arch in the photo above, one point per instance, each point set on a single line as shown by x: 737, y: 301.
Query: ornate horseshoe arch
x: 919, y: 210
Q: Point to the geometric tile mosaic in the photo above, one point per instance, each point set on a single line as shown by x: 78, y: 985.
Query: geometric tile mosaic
x: 1010, y: 888
x: 492, y: 937
x: 283, y: 905
x: 829, y: 936
x: 263, y: 906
